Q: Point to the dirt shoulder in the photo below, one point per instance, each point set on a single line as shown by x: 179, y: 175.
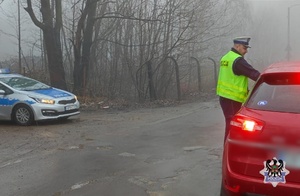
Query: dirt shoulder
x: 119, y: 104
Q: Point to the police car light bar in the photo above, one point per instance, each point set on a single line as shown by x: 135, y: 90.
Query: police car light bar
x: 5, y: 71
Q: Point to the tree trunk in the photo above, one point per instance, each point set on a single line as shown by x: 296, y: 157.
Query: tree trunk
x: 55, y: 61
x: 51, y: 33
x: 151, y: 85
x: 83, y: 43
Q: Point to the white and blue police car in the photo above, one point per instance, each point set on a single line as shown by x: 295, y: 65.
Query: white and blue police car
x: 25, y: 100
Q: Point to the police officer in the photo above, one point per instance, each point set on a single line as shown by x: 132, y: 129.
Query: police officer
x: 232, y: 86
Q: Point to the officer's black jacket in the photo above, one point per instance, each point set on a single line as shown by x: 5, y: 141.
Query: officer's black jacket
x: 242, y: 67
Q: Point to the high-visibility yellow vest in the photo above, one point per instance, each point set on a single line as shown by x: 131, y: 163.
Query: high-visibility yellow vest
x: 229, y: 85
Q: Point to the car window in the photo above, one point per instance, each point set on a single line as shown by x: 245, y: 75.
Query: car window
x: 23, y: 83
x: 280, y: 94
x: 6, y: 90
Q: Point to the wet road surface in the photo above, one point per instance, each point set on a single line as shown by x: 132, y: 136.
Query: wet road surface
x: 170, y: 151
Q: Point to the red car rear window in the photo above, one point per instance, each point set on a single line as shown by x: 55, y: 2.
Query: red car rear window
x: 276, y: 92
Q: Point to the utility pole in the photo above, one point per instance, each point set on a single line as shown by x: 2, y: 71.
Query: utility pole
x: 288, y: 48
x: 19, y: 38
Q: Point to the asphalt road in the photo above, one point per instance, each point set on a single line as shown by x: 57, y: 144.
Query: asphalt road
x: 170, y: 151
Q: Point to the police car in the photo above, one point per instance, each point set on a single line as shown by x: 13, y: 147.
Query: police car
x: 25, y: 100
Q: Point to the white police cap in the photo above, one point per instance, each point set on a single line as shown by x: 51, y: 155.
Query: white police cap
x: 242, y: 40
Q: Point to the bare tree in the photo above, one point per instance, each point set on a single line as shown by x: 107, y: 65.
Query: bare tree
x: 51, y: 27
x: 135, y: 35
x: 128, y: 49
x: 82, y: 46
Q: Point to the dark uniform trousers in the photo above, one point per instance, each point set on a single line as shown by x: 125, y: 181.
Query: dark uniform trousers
x: 230, y: 108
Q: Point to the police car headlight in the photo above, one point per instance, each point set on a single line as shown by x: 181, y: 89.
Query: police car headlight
x: 46, y: 101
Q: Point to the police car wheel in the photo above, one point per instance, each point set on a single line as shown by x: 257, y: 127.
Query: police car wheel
x: 22, y: 115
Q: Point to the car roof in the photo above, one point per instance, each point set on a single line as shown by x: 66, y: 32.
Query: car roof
x: 283, y: 67
x: 10, y: 75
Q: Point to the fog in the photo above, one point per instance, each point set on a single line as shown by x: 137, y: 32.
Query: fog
x: 8, y: 43
x: 9, y: 30
x: 268, y: 30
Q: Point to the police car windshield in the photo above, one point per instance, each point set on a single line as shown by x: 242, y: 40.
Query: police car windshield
x: 24, y: 84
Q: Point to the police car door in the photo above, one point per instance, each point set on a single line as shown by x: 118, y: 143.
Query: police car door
x: 5, y: 107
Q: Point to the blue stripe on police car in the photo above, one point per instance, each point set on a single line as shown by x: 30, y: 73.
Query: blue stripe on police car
x: 52, y: 93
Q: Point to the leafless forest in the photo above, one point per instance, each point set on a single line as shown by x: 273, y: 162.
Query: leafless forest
x: 134, y: 50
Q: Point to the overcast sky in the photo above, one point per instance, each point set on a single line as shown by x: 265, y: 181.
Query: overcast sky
x: 269, y: 32
x: 9, y: 29
x: 7, y: 47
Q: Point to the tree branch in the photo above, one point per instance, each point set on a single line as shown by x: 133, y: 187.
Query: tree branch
x: 32, y: 15
x: 120, y: 16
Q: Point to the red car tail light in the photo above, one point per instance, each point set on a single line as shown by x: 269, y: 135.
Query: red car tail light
x: 246, y: 123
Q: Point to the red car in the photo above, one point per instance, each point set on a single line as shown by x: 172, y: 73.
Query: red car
x: 262, y: 151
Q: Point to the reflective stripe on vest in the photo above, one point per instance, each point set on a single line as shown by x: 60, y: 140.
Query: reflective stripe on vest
x: 229, y: 85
